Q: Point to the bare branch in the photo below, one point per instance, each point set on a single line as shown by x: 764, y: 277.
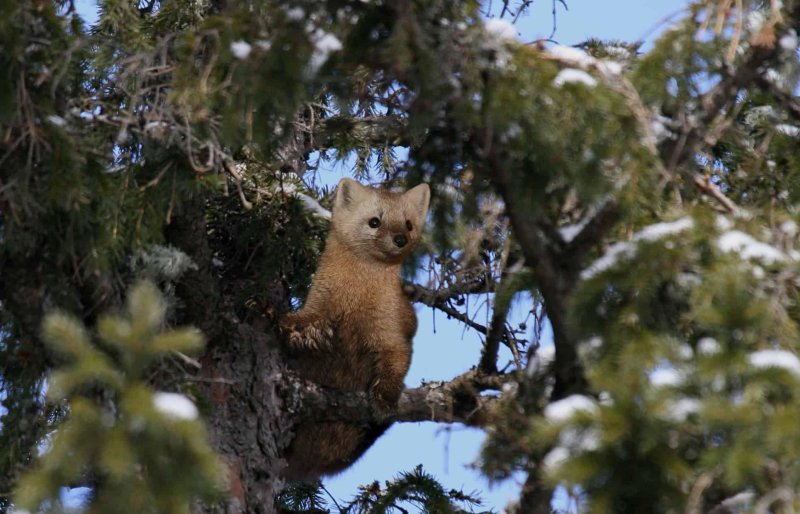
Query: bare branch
x: 433, y: 297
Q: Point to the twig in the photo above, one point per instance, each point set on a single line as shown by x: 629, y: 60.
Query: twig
x: 707, y: 187
x: 431, y: 297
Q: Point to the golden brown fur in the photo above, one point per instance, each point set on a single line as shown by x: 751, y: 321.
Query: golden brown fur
x: 354, y: 331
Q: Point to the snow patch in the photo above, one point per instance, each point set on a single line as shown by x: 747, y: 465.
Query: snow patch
x: 175, y: 405
x: 788, y: 130
x: 296, y: 13
x: 681, y: 409
x: 626, y: 249
x: 314, y: 206
x: 722, y: 223
x: 659, y: 230
x: 659, y: 126
x: 708, y: 346
x: 565, y: 408
x: 325, y: 43
x: 609, y: 259
x: 666, y: 377
x: 739, y: 502
x: 241, y: 49
x: 58, y: 121
x: 587, y: 440
x: 573, y: 76
x: 501, y: 30
x: 775, y: 359
x: 568, y: 232
x: 748, y: 247
x: 583, y: 60
x: 618, y: 52
x: 572, y: 55
x: 789, y: 228
x: 555, y: 458
x: 789, y: 41
x: 543, y: 357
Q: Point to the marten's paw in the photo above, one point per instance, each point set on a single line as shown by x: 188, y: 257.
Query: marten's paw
x: 308, y: 336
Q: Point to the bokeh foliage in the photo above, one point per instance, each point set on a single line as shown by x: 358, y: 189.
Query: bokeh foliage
x: 133, y: 446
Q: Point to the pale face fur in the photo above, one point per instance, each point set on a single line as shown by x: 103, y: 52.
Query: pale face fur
x: 377, y: 224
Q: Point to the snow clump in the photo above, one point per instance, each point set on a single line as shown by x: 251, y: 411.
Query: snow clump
x: 241, y: 49
x: 175, y: 405
x: 666, y: 377
x: 501, y: 31
x: 564, y: 409
x: 58, y: 121
x: 788, y: 130
x: 775, y: 359
x: 583, y: 60
x: 573, y: 76
x: 555, y: 458
x: 544, y: 356
x: 325, y: 43
x: 627, y: 249
x: 748, y: 247
x: 681, y: 409
x: 708, y: 346
x: 789, y: 41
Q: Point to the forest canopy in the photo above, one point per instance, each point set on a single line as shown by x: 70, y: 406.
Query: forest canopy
x: 162, y: 205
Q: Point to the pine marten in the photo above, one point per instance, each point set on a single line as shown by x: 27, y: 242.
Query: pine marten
x: 354, y: 331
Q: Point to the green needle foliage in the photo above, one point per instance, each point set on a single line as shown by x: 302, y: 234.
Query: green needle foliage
x: 410, y: 491
x: 644, y: 205
x: 135, y: 447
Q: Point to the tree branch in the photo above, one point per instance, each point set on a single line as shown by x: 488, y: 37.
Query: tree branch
x: 787, y: 101
x: 455, y: 401
x: 433, y: 297
x: 675, y: 152
x: 375, y: 131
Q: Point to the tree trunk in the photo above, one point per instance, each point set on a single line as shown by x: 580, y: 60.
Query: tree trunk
x: 239, y: 377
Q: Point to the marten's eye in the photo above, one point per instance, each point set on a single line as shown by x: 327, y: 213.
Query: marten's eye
x: 374, y: 222
x: 409, y: 226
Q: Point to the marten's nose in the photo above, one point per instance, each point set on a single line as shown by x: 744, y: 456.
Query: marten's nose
x: 400, y: 240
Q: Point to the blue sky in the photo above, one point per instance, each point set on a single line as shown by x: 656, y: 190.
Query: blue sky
x: 448, y: 451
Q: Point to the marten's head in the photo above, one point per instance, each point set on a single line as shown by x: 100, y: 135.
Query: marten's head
x: 379, y: 224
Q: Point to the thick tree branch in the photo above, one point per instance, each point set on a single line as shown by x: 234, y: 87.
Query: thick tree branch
x: 554, y: 283
x: 456, y: 401
x: 496, y: 332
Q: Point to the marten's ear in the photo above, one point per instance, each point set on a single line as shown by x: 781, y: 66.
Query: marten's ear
x: 348, y: 193
x: 418, y: 198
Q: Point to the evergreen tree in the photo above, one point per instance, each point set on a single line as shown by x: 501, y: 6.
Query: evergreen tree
x: 645, y: 205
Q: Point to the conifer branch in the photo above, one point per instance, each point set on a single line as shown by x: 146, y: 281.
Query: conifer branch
x: 455, y: 401
x: 713, y: 104
x: 373, y: 131
x: 789, y: 102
